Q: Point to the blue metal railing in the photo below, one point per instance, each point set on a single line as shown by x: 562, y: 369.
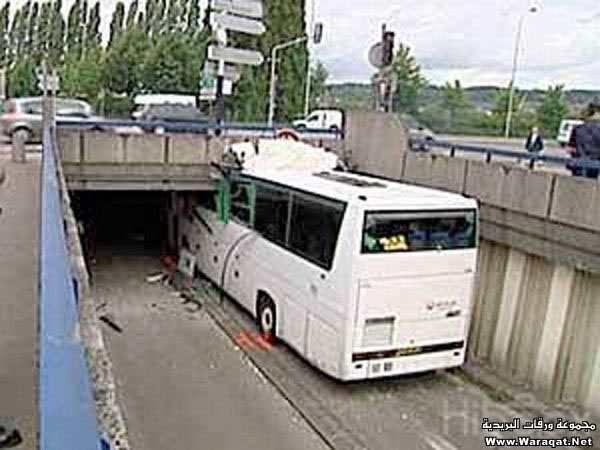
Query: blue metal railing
x: 67, y: 417
x: 489, y: 153
x: 191, y: 127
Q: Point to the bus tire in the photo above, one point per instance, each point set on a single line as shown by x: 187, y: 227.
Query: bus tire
x: 266, y: 315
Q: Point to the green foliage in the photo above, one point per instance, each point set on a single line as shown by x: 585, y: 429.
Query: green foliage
x: 553, y: 109
x: 116, y: 24
x: 81, y: 77
x: 114, y: 106
x: 172, y: 64
x: 93, y: 37
x: 5, y: 55
x: 22, y: 81
x: 123, y: 65
x: 318, y: 85
x: 57, y: 40
x: 408, y: 79
x: 75, y: 27
x: 454, y: 100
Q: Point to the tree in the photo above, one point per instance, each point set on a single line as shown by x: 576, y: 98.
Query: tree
x: 132, y: 15
x: 174, y: 16
x: 4, y: 35
x: 32, y: 32
x: 123, y: 64
x: 22, y: 81
x: 75, y: 27
x: 81, y: 77
x: 93, y: 37
x: 453, y: 100
x: 318, y: 89
x: 406, y: 75
x: 193, y: 16
x: 44, y: 30
x: 116, y: 24
x: 57, y: 41
x: 553, y: 109
x: 172, y: 64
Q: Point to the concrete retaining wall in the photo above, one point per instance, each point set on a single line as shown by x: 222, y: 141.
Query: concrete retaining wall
x: 536, y: 323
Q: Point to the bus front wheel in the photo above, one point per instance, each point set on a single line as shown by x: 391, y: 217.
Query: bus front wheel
x: 267, y: 317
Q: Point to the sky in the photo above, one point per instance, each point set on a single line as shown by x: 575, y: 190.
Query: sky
x: 469, y: 40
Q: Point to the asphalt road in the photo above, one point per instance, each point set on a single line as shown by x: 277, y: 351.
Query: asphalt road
x: 183, y: 383
x: 19, y: 199
x: 196, y: 376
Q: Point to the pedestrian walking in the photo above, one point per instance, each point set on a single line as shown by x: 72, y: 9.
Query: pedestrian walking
x: 534, y: 144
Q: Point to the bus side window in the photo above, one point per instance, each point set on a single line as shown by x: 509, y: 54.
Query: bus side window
x: 272, y: 207
x: 315, y: 225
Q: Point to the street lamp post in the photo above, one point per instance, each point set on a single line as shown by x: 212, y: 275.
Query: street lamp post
x: 308, y: 69
x: 511, y: 94
x: 273, y: 73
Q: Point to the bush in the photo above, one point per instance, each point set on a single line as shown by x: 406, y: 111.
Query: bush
x: 119, y: 107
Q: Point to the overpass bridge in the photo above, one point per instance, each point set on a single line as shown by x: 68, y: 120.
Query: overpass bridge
x: 536, y: 302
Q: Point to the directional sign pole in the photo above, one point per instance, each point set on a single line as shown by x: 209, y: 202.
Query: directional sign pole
x: 220, y: 106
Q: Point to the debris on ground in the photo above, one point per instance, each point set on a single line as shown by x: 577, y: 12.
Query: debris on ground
x: 108, y: 320
x: 156, y: 278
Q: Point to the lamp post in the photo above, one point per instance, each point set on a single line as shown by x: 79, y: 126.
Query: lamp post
x: 511, y: 94
x: 273, y: 73
x: 308, y: 69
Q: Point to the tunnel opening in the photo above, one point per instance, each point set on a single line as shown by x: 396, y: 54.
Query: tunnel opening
x: 124, y: 223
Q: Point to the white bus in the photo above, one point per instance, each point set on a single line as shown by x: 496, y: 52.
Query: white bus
x: 363, y: 277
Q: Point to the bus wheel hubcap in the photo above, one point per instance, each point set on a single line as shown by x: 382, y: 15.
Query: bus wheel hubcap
x: 267, y: 320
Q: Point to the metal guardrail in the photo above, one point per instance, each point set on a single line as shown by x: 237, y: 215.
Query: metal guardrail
x: 228, y: 129
x: 67, y: 417
x: 490, y: 153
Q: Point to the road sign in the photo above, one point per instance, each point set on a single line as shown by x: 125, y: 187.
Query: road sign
x: 49, y: 83
x: 208, y: 87
x: 236, y: 23
x: 376, y: 55
x: 235, y: 55
x: 231, y: 72
x: 247, y: 8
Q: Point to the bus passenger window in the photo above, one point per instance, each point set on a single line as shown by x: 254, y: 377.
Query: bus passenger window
x: 315, y: 225
x: 272, y: 206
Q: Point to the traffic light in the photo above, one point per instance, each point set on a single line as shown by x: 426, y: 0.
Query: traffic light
x: 388, y: 48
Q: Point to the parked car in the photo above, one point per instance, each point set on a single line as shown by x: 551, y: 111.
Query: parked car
x: 175, y: 117
x: 24, y: 115
x: 565, y: 130
x: 322, y: 119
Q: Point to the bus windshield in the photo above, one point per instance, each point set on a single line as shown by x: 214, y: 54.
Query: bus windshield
x: 388, y: 232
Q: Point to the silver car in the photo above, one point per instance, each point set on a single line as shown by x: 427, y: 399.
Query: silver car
x: 24, y: 115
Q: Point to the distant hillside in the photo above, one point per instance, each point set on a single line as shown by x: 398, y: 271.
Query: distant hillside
x: 481, y: 98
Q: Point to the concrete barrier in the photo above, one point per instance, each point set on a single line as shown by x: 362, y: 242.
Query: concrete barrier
x: 188, y: 149
x: 144, y: 148
x: 576, y: 201
x: 100, y: 147
x: 377, y: 142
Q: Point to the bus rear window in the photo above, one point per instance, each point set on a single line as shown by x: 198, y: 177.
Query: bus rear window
x: 388, y: 232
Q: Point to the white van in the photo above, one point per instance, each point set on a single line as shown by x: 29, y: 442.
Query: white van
x: 143, y: 102
x: 322, y: 119
x: 565, y: 129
